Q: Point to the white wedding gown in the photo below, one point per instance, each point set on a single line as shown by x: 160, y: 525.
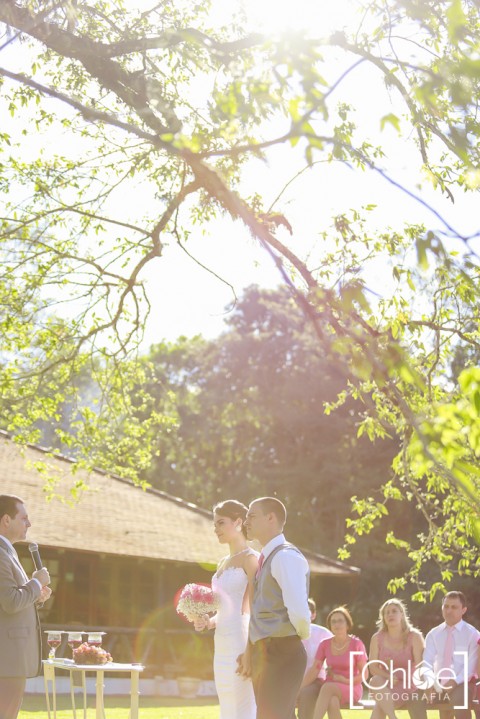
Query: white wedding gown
x: 234, y: 693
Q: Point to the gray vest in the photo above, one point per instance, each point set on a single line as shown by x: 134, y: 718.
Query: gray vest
x: 269, y: 616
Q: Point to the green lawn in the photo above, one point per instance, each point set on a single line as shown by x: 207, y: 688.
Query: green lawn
x: 34, y: 707
x: 155, y: 708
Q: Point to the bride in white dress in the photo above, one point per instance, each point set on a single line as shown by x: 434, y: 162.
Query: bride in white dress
x: 233, y: 582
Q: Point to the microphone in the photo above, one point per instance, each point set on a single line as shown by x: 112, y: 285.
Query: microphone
x: 37, y: 561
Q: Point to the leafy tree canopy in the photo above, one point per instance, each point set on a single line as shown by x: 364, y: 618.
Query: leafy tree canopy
x: 158, y: 111
x: 250, y: 421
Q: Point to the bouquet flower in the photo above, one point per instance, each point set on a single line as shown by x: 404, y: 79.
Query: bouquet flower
x: 88, y: 654
x: 196, y: 600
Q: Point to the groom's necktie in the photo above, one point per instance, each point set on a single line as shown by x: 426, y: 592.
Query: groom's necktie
x: 261, y: 560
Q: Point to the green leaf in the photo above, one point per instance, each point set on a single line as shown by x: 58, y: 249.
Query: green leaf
x: 422, y: 258
x: 457, y: 21
x: 390, y: 119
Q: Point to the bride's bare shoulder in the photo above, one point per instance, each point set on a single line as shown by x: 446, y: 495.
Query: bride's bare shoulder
x: 250, y: 556
x: 222, y: 562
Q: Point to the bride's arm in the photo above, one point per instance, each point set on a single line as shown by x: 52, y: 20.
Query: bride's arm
x: 206, y: 622
x: 250, y: 566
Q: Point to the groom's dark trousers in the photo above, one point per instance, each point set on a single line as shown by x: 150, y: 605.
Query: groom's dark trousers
x: 278, y: 667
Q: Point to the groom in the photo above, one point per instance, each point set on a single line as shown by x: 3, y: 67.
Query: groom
x: 280, y: 616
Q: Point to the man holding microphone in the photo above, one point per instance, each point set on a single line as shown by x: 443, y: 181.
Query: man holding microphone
x: 20, y: 639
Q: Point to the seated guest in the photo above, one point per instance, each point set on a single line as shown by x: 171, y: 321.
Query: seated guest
x: 309, y: 691
x: 444, y: 646
x: 394, y: 649
x: 335, y: 652
x: 477, y: 708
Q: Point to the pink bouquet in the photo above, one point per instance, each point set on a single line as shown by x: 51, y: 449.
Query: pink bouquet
x: 196, y: 600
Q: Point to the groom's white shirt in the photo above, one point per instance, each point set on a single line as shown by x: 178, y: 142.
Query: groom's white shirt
x: 290, y: 570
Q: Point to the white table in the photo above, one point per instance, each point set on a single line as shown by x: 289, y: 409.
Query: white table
x: 77, y: 673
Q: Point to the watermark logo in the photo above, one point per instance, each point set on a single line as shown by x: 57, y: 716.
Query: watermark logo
x: 416, y: 682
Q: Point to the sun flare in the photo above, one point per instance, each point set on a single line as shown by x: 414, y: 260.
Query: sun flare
x: 314, y: 17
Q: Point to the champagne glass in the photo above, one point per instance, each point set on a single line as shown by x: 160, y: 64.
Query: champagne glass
x: 54, y: 639
x: 95, y: 638
x: 74, y: 640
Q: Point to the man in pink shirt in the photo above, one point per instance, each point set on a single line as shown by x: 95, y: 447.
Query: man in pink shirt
x: 451, y: 649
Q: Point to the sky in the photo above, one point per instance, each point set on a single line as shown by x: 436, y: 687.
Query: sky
x: 186, y: 299
x: 227, y: 248
x: 190, y: 300
x: 326, y: 190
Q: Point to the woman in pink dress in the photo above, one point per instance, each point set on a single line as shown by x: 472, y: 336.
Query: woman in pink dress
x: 336, y: 651
x: 399, y: 646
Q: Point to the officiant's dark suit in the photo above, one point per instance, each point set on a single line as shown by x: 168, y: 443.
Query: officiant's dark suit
x: 20, y: 642
x: 280, y: 616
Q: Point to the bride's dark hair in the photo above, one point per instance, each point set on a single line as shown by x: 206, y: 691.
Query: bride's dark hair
x: 233, y: 510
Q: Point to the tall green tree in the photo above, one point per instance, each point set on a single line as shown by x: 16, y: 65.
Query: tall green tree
x: 251, y: 420
x: 125, y: 87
